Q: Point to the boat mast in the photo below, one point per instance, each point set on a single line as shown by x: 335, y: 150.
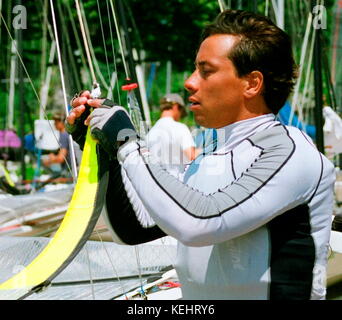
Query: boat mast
x: 318, y: 111
x: 10, y: 108
x: 21, y: 102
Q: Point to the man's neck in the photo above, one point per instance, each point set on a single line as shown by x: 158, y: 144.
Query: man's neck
x: 167, y: 114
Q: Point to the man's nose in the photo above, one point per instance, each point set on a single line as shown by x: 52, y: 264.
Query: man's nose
x: 190, y: 84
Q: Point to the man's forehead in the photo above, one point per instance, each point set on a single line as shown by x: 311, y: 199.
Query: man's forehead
x: 215, y: 47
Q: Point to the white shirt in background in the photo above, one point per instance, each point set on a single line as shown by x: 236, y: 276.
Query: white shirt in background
x: 167, y: 140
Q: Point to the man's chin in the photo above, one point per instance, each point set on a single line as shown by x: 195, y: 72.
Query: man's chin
x: 201, y: 121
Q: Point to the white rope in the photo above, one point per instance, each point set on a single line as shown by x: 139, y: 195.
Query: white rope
x: 91, y: 67
x: 308, y: 72
x: 119, y: 39
x: 113, y: 49
x: 30, y: 81
x: 221, y: 5
x: 60, y: 65
x: 110, y: 261
x: 301, y: 63
x: 91, y: 49
x: 90, y: 273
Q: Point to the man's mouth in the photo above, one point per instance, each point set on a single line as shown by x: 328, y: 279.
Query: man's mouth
x: 194, y: 104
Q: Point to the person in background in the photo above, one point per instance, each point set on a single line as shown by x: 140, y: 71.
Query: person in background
x: 59, y: 162
x: 169, y: 139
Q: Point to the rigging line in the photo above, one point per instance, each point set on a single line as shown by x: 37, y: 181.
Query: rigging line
x: 267, y: 5
x: 90, y: 273
x: 44, y: 42
x: 29, y: 78
x: 301, y: 65
x: 103, y: 280
x: 335, y: 44
x: 85, y: 42
x: 113, y: 50
x: 60, y: 65
x: 111, y: 262
x: 72, y: 75
x: 91, y: 49
x: 77, y: 38
x: 139, y: 271
x: 221, y: 5
x: 104, y: 41
x: 119, y: 39
x: 0, y: 20
x: 308, y: 70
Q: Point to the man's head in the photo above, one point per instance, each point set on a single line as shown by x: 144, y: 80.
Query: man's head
x: 59, y: 118
x: 175, y: 103
x: 244, y: 68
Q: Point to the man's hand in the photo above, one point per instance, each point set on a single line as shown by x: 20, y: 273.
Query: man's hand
x: 109, y: 124
x: 78, y: 119
x: 111, y: 127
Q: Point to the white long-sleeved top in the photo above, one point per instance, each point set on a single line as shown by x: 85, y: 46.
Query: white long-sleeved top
x: 252, y: 218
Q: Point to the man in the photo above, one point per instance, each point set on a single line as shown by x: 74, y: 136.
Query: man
x: 59, y: 162
x: 169, y: 139
x: 253, y: 218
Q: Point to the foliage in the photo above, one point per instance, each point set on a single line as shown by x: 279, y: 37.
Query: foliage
x: 161, y: 31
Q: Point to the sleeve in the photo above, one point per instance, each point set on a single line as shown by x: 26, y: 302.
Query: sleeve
x: 273, y: 184
x: 64, y: 140
x: 124, y: 212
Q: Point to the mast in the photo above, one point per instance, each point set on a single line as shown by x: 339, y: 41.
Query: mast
x: 318, y: 114
x: 10, y: 109
x: 128, y: 46
x: 21, y: 103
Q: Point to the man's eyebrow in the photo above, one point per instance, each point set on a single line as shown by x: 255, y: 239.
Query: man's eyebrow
x: 201, y: 63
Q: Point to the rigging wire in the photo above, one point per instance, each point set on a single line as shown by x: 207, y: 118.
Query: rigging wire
x: 111, y: 262
x: 221, y: 5
x: 96, y: 65
x: 113, y: 49
x: 60, y: 64
x: 119, y: 39
x: 90, y: 273
x: 104, y: 41
x: 301, y: 66
x: 85, y: 42
x: 77, y: 38
x: 30, y: 80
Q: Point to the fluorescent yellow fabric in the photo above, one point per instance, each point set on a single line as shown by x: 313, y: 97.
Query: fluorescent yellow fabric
x: 71, y: 230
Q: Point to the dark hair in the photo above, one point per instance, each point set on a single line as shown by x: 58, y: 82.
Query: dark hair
x: 262, y: 47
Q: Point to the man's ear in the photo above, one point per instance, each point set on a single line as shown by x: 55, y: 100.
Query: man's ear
x: 254, y: 84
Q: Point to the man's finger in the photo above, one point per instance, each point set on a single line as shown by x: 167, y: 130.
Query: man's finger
x: 96, y: 103
x: 86, y: 94
x: 79, y: 101
x: 75, y: 113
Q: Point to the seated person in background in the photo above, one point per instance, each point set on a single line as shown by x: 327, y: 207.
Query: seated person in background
x: 170, y: 140
x: 60, y: 162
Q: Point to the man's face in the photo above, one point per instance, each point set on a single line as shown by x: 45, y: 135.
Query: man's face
x: 216, y: 92
x: 59, y: 124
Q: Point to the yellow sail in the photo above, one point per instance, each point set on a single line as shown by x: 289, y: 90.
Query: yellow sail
x: 73, y: 232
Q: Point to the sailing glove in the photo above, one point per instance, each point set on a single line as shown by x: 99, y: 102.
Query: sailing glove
x: 112, y: 127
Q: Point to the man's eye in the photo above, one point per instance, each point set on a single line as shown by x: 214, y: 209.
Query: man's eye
x: 205, y: 72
